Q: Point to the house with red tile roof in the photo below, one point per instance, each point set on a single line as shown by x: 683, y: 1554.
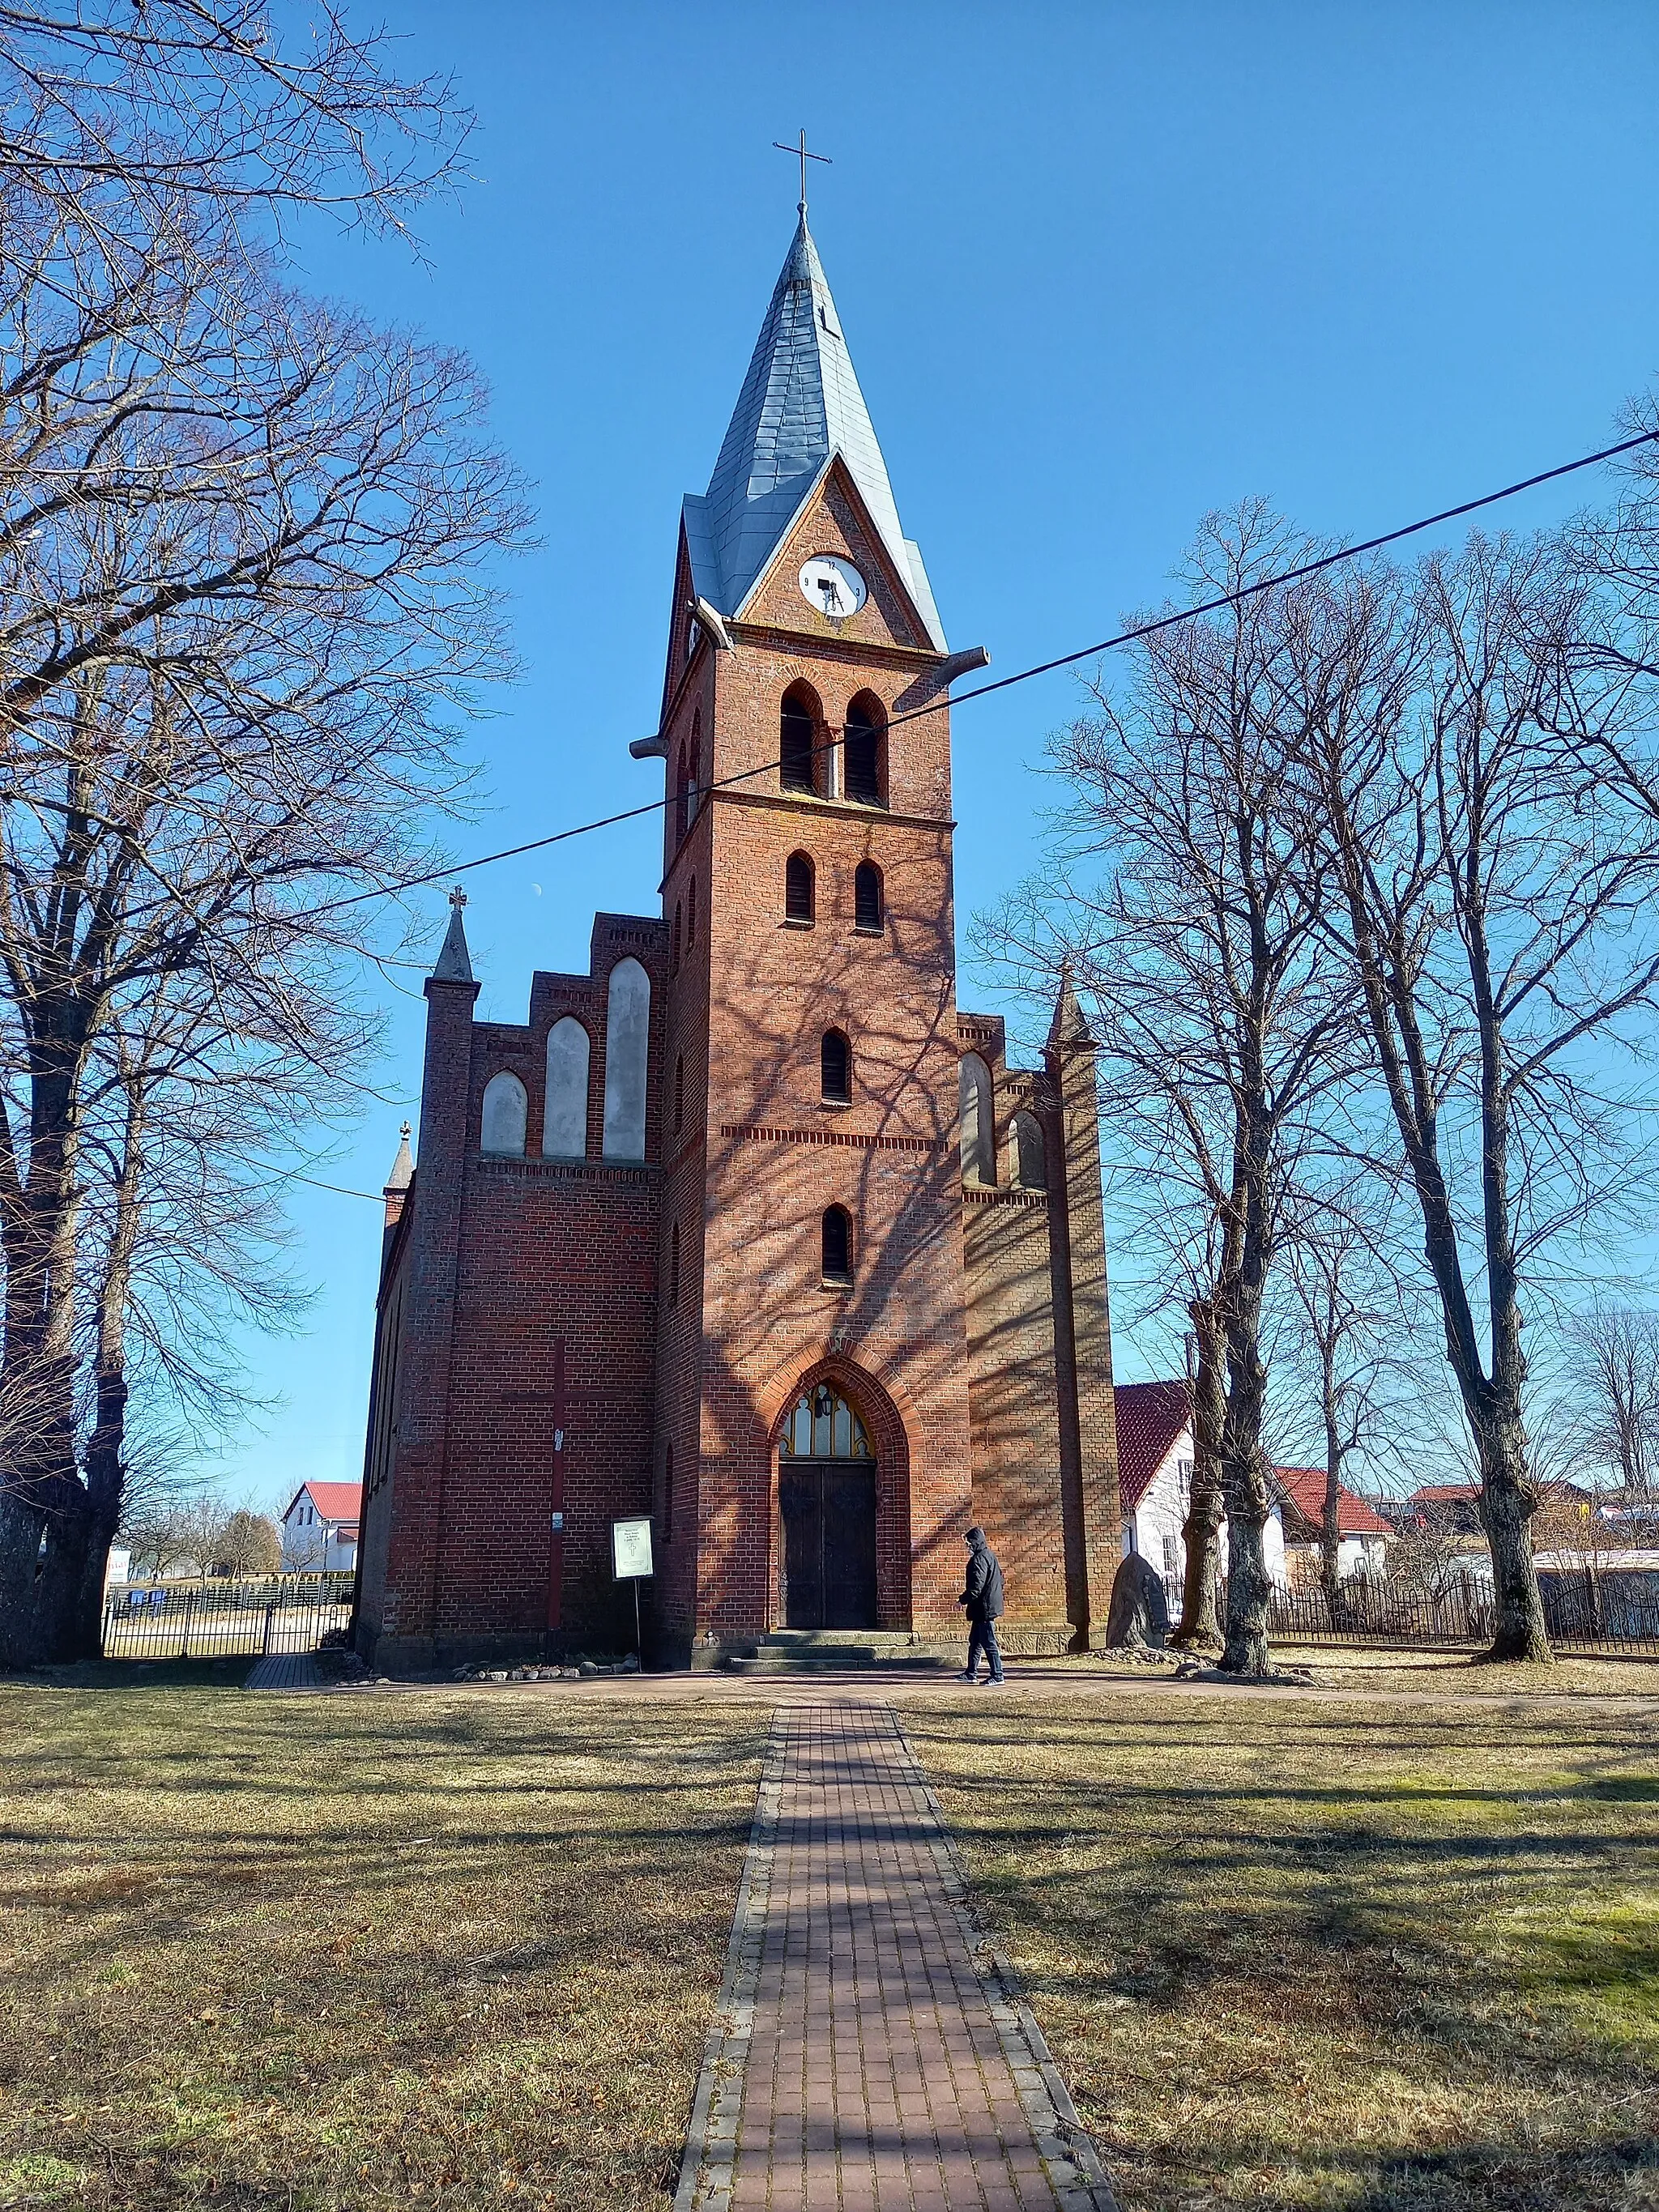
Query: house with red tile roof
x: 319, y: 1528
x: 1363, y: 1535
x: 1155, y: 1478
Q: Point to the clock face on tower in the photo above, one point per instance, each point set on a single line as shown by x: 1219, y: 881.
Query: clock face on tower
x: 832, y: 585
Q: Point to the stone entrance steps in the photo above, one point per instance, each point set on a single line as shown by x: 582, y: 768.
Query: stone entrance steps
x: 804, y: 1650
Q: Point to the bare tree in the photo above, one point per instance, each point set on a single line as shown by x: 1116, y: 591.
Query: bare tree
x: 1345, y: 1350
x: 1613, y: 1358
x: 117, y: 112
x: 1204, y: 953
x: 248, y: 1543
x: 241, y: 596
x: 1497, y: 898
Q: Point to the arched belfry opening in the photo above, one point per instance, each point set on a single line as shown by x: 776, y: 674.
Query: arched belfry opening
x: 827, y: 1473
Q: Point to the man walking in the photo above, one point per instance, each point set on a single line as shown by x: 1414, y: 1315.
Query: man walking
x: 983, y: 1599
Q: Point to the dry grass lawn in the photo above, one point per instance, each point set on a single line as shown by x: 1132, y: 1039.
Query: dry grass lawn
x: 1300, y: 1953
x: 358, y: 1951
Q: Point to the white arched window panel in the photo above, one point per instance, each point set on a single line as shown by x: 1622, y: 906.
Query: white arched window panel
x: 979, y: 1162
x: 1026, y: 1164
x: 505, y: 1106
x: 564, y: 1115
x: 627, y: 1038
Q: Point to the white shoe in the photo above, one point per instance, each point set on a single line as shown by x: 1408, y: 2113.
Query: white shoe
x: 964, y: 1677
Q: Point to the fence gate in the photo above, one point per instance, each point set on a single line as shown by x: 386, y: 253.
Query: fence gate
x: 224, y: 1620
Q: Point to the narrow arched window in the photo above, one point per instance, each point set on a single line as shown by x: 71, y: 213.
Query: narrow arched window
x: 564, y: 1108
x: 868, y: 909
x: 691, y: 776
x: 674, y: 1265
x: 679, y: 1092
x: 979, y: 1159
x: 798, y: 725
x: 861, y: 751
x: 504, y: 1110
x: 798, y: 888
x: 837, y: 1251
x: 1026, y: 1164
x: 836, y: 1068
x: 674, y: 956
x: 627, y: 1041
x: 682, y: 782
x: 691, y: 914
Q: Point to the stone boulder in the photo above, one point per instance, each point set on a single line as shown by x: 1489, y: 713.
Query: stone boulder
x: 1140, y: 1616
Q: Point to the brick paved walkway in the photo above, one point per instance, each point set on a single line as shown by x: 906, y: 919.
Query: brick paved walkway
x: 285, y: 1670
x: 870, y: 2054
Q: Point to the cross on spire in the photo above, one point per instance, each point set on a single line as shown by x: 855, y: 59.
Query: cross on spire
x: 458, y: 897
x: 806, y: 155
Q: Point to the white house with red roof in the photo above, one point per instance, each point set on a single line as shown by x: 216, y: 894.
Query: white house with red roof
x: 1363, y: 1535
x: 319, y: 1528
x: 1155, y: 1478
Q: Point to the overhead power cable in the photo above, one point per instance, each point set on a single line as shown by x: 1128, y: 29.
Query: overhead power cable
x: 1024, y: 675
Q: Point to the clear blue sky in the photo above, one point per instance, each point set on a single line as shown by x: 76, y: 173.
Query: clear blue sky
x: 1101, y: 268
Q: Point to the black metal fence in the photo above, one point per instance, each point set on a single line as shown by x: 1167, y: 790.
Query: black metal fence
x: 1591, y: 1609
x: 224, y: 1620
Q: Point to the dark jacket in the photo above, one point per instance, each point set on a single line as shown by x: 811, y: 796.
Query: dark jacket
x: 983, y: 1594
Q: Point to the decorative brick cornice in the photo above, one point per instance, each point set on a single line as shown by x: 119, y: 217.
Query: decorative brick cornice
x: 500, y: 1170
x: 757, y: 1134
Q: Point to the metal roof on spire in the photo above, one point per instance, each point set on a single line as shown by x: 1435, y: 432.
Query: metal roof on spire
x: 800, y: 404
x: 454, y: 964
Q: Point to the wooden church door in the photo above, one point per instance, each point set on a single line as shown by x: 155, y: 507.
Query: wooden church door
x: 827, y: 1509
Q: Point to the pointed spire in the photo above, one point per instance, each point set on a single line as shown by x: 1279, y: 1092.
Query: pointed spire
x: 1068, y: 1025
x: 403, y: 1167
x: 800, y: 403
x: 454, y: 962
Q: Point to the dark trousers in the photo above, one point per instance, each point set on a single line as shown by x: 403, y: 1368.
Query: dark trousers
x: 982, y: 1637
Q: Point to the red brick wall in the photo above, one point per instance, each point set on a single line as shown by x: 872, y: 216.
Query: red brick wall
x: 530, y: 1254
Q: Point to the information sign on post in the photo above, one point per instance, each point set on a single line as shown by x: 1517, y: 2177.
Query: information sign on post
x: 630, y: 1561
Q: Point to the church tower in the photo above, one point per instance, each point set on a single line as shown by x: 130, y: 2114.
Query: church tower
x: 813, y: 1250
x: 748, y: 1230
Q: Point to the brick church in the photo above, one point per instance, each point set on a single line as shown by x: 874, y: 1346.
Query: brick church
x: 749, y: 1230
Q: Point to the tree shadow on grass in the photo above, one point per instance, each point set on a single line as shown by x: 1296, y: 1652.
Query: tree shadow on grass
x: 1419, y: 1960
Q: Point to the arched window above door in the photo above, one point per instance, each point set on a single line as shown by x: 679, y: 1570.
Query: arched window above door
x: 837, y: 1244
x: 823, y: 1426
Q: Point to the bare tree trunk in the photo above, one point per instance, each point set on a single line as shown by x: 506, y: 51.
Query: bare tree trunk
x: 1250, y: 1505
x: 1330, y: 1520
x: 80, y: 1629
x: 1507, y: 1503
x: 1201, y: 1530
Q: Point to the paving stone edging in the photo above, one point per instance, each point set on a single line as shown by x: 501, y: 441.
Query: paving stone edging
x: 1061, y: 2135
x: 711, y: 2140
x: 709, y: 2160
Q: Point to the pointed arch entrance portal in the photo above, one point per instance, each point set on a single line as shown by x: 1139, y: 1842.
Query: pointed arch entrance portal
x: 827, y: 1510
